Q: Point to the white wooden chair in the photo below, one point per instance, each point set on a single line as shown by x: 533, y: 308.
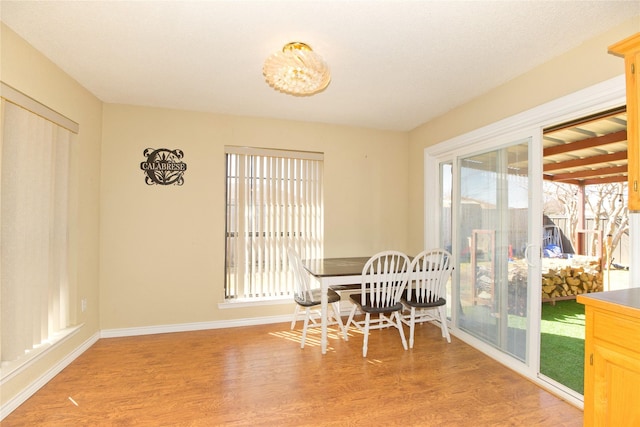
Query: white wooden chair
x: 307, y: 297
x: 384, y: 277
x: 425, y: 296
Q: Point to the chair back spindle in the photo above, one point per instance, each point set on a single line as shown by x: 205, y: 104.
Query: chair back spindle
x: 384, y: 278
x: 430, y: 272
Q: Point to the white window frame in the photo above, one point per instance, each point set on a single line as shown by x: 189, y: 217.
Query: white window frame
x: 274, y: 199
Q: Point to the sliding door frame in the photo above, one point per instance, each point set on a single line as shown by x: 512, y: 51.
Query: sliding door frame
x: 602, y: 96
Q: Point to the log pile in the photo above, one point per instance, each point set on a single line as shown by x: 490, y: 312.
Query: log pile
x: 573, y: 278
x: 564, y: 278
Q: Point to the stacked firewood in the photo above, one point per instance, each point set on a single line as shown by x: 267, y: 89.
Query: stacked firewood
x: 572, y: 280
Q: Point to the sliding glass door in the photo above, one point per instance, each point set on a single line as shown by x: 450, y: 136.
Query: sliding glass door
x: 493, y: 217
x: 490, y: 215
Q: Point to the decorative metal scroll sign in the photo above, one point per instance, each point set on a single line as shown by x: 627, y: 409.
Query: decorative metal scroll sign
x: 163, y: 166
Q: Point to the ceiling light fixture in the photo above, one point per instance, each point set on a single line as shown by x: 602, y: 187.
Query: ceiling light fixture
x: 297, y: 70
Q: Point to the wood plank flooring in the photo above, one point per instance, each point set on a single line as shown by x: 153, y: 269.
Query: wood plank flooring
x: 259, y: 376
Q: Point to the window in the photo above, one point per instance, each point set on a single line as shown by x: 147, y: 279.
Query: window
x: 34, y: 284
x: 274, y: 200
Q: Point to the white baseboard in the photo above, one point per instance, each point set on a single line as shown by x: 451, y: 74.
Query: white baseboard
x: 25, y: 394
x: 198, y: 326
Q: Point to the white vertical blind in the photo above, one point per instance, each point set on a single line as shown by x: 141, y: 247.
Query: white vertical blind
x: 34, y: 181
x: 274, y: 200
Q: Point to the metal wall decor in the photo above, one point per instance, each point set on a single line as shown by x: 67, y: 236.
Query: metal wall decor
x: 163, y: 166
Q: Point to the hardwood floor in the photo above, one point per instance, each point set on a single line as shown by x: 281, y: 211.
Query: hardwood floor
x: 259, y: 376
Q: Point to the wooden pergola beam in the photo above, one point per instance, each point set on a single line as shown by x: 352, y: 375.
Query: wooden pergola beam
x: 586, y: 161
x: 591, y: 173
x: 586, y: 143
x: 591, y: 181
x: 606, y: 180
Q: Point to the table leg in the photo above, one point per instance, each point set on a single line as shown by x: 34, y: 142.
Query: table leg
x: 323, y: 314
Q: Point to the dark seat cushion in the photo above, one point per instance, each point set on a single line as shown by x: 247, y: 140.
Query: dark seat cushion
x: 427, y: 302
x: 346, y: 287
x: 316, y: 295
x: 368, y: 308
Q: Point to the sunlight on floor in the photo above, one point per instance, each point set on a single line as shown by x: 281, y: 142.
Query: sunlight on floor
x: 313, y: 335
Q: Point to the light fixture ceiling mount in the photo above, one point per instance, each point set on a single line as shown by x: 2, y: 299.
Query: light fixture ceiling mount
x: 297, y: 70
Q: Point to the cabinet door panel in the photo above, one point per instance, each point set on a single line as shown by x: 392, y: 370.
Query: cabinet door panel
x: 616, y: 387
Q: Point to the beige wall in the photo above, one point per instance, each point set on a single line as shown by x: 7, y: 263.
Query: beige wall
x: 25, y: 69
x: 580, y: 68
x: 162, y: 247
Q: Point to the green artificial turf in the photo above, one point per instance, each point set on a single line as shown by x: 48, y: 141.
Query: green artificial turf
x: 562, y: 343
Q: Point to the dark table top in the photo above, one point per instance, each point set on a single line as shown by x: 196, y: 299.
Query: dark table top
x: 323, y: 267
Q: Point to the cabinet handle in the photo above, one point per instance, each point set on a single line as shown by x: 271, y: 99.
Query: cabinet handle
x: 591, y: 359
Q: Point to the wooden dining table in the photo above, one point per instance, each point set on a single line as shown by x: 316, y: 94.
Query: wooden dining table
x: 334, y: 273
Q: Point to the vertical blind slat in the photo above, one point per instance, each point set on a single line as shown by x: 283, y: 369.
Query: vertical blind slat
x: 34, y: 218
x: 277, y: 204
x: 270, y: 235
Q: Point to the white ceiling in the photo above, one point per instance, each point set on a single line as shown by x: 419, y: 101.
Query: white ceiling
x: 395, y: 64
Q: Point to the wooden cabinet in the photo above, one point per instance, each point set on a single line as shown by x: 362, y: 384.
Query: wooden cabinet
x: 629, y: 49
x: 612, y: 358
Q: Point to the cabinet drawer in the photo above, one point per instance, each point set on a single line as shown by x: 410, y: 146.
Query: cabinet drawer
x: 616, y: 329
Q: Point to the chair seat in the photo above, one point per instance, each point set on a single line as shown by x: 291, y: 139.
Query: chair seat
x: 369, y: 308
x: 425, y: 303
x: 316, y: 295
x: 345, y: 287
